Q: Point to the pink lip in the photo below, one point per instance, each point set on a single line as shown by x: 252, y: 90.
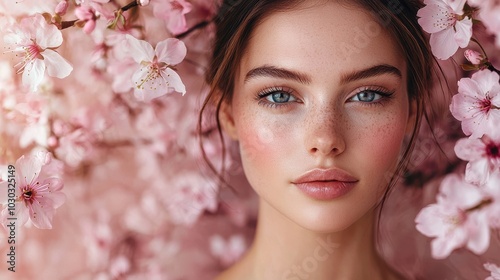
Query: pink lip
x: 325, y: 184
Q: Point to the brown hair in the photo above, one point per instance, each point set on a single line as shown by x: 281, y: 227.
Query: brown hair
x: 237, y: 19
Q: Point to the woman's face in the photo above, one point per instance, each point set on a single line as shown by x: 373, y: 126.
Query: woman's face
x: 320, y: 87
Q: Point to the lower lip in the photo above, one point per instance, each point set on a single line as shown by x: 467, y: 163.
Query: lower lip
x: 325, y: 190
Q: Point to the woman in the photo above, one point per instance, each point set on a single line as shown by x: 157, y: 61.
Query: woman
x: 321, y: 96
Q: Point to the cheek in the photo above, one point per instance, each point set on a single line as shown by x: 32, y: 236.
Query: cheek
x: 261, y: 141
x: 381, y: 145
x: 264, y: 143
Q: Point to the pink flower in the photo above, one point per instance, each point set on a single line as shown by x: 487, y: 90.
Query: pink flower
x: 495, y: 271
x: 143, y: 2
x: 37, y: 193
x: 489, y: 14
x: 491, y: 18
x: 190, y: 196
x: 88, y: 15
x: 483, y: 156
x: 173, y: 12
x: 155, y: 76
x: 228, y: 251
x: 473, y: 57
x: 492, y: 191
x: 62, y: 8
x: 451, y: 222
x: 449, y: 29
x: 36, y: 39
x: 477, y: 103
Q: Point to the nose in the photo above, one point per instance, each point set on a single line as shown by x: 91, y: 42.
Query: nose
x: 325, y: 135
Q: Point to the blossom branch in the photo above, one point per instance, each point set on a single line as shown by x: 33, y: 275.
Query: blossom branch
x: 199, y: 25
x: 129, y: 6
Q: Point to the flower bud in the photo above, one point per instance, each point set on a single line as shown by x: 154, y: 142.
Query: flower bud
x: 143, y: 2
x: 473, y: 56
x: 62, y: 7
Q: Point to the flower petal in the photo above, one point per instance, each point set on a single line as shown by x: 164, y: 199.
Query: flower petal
x: 171, y: 51
x: 148, y: 84
x: 57, y: 198
x: 40, y: 216
x: 464, y: 106
x: 479, y: 232
x: 470, y: 149
x: 57, y: 66
x: 174, y: 80
x: 140, y: 50
x: 429, y: 221
x: 487, y: 81
x: 472, y: 88
x: 456, y: 5
x: 54, y: 184
x: 46, y: 35
x: 441, y: 247
x: 443, y: 44
x: 476, y: 172
x: 28, y: 169
x: 431, y: 15
x: 457, y: 192
x: 463, y: 32
x: 33, y: 74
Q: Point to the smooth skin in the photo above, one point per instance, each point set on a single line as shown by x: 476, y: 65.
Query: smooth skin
x: 310, y: 93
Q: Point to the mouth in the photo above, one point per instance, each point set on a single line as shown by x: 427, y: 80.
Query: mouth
x: 325, y: 184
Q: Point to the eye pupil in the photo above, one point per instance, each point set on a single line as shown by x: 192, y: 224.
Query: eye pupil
x: 366, y: 96
x: 280, y: 97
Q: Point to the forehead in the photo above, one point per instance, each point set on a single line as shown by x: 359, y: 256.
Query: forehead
x: 322, y: 39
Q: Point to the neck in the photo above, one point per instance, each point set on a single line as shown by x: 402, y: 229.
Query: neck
x: 284, y: 250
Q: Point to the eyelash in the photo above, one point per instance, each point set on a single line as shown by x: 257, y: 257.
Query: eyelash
x: 261, y: 96
x: 385, y: 95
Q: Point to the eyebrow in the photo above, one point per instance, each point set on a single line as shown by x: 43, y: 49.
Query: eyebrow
x: 371, y: 72
x: 282, y: 73
x: 276, y: 72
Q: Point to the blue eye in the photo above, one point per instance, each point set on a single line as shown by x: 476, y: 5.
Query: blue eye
x: 367, y: 96
x: 279, y: 97
x: 276, y: 96
x: 371, y: 96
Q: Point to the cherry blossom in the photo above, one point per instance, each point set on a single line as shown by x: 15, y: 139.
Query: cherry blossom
x: 88, y: 15
x: 38, y: 193
x: 143, y: 2
x: 62, y: 8
x: 155, y: 77
x: 191, y: 195
x: 227, y: 251
x: 477, y: 103
x: 449, y: 28
x: 140, y: 201
x: 491, y: 18
x: 495, y: 271
x: 451, y: 222
x: 173, y: 13
x: 35, y: 40
x: 473, y: 57
x: 489, y: 14
x: 483, y: 156
x: 492, y: 208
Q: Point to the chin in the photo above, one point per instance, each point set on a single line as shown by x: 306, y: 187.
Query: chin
x: 330, y: 219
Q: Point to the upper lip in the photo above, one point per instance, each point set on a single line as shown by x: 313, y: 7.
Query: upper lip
x: 324, y: 175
